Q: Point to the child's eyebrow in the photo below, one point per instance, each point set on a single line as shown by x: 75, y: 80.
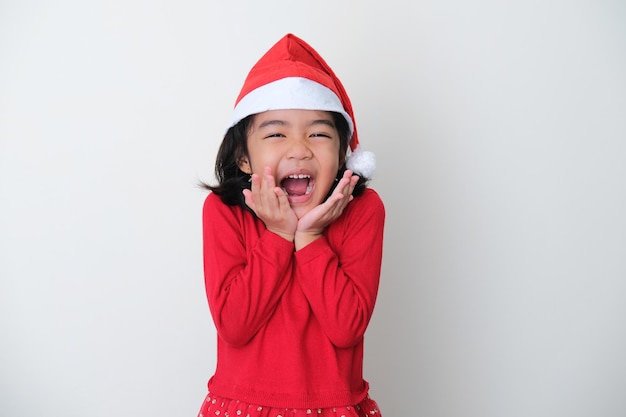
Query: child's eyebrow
x: 326, y: 122
x: 272, y: 122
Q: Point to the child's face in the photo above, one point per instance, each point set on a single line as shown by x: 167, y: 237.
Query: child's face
x: 301, y: 148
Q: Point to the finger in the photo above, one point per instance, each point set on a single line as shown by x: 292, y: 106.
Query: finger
x: 342, y: 194
x: 348, y: 183
x: 248, y: 199
x: 255, y: 189
x: 354, y: 179
x: 344, y: 187
x: 268, y: 189
x: 283, y: 201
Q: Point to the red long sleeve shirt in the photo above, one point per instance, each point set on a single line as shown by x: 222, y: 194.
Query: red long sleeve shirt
x: 290, y: 324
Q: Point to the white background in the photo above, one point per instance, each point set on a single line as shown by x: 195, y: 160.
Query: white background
x: 500, y: 134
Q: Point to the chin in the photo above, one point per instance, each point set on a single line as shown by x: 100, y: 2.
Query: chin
x: 300, y: 211
x: 301, y: 205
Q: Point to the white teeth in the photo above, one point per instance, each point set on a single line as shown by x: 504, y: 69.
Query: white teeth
x: 299, y: 176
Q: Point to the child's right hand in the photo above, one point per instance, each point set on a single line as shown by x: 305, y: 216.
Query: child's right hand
x: 270, y: 204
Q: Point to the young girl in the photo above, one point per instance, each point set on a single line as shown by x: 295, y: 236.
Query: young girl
x: 292, y: 246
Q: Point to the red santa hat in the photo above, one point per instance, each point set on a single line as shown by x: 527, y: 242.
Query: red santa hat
x: 292, y: 75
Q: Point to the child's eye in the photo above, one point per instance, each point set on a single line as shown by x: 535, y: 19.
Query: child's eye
x: 320, y: 135
x: 274, y: 135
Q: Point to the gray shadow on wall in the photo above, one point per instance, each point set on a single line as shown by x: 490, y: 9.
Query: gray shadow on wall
x: 399, y: 353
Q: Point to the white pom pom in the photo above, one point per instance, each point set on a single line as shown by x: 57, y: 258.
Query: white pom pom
x: 361, y: 162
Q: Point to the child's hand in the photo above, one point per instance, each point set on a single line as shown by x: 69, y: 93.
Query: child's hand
x: 270, y: 204
x: 312, y: 224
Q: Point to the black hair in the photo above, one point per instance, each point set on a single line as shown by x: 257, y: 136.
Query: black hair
x: 231, y: 180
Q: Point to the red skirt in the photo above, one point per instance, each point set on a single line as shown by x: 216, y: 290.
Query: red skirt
x: 214, y: 406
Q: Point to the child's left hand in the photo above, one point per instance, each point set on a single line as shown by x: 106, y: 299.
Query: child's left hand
x: 311, y: 225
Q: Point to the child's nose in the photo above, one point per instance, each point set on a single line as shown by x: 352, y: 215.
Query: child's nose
x: 299, y: 149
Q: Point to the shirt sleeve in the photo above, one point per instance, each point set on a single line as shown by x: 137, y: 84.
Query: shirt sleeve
x: 341, y: 281
x: 243, y: 284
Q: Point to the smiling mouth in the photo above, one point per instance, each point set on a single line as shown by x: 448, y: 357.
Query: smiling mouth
x: 297, y: 185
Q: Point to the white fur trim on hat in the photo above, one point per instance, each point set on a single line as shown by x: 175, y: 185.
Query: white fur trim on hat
x: 289, y: 93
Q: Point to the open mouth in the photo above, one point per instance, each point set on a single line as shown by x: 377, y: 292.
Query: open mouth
x: 297, y: 185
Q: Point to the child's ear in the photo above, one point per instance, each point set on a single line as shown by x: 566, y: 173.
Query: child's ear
x: 244, y: 165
